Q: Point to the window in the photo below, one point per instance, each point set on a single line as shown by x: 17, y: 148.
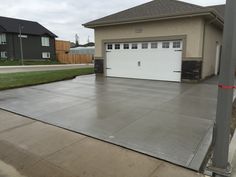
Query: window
x: 45, y: 55
x: 45, y: 41
x: 109, y: 47
x: 134, y: 46
x: 117, y: 46
x: 176, y: 44
x: 154, y: 45
x: 144, y: 45
x: 3, y: 39
x: 126, y: 46
x: 3, y: 55
x: 165, y: 45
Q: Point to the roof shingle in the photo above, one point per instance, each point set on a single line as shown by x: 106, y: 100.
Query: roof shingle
x: 152, y: 10
x: 219, y: 8
x: 11, y: 25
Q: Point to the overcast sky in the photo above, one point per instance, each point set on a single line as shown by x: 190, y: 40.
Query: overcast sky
x: 65, y: 18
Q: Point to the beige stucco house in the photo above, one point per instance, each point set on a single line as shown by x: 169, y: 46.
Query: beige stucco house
x: 161, y: 40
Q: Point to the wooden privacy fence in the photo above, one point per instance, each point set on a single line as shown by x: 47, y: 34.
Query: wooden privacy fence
x: 63, y: 55
x: 62, y: 46
x: 74, y: 58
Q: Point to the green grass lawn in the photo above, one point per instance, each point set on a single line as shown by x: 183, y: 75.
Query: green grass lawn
x: 27, y: 62
x: 15, y: 80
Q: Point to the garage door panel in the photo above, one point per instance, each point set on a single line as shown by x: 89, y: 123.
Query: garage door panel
x: 121, y: 64
x: 162, y: 65
x: 152, y: 63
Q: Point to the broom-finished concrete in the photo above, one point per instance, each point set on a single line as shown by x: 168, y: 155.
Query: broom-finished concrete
x: 170, y: 121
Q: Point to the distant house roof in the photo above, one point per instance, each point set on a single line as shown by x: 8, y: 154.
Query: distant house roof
x: 89, y: 44
x: 11, y: 25
x: 83, y: 50
x: 156, y: 9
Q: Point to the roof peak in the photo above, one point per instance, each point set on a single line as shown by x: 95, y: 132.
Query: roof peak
x: 11, y: 25
x: 18, y: 19
x: 153, y: 10
x: 178, y: 1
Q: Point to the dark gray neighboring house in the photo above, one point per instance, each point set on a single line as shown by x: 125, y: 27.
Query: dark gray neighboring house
x: 37, y: 41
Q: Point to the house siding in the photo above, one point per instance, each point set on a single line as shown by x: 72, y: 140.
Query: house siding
x: 191, y: 27
x: 213, y: 36
x: 32, y: 47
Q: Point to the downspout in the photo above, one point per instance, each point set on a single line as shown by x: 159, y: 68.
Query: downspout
x: 204, y: 37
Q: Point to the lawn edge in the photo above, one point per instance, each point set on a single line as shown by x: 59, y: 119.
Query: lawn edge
x: 42, y: 83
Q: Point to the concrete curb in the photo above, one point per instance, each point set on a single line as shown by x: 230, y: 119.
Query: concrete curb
x: 45, y: 66
x: 18, y: 69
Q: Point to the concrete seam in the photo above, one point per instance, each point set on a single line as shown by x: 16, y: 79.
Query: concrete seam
x: 158, y: 166
x: 16, y: 127
x: 78, y: 141
x: 197, y: 148
x: 42, y: 159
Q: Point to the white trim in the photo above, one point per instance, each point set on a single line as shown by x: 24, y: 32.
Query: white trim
x: 46, y: 55
x: 45, y: 41
x: 217, y: 59
x: 23, y: 36
x: 3, y: 39
x: 3, y: 55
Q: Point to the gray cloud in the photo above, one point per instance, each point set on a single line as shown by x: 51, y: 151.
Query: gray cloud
x: 65, y: 18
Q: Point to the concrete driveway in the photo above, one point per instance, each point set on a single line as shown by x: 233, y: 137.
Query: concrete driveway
x: 170, y: 121
x: 30, y: 68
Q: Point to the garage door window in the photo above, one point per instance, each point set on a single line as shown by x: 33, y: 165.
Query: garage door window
x: 126, y: 46
x: 117, y: 46
x: 144, y: 45
x: 134, y: 46
x: 176, y: 44
x: 165, y: 45
x: 154, y: 45
x: 109, y: 47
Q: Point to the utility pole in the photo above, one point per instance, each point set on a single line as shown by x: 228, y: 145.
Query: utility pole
x: 220, y: 165
x: 76, y: 40
x: 21, y: 45
x: 88, y: 39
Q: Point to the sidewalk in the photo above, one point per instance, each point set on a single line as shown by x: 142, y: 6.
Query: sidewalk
x: 32, y: 149
x: 232, y: 155
x: 29, y: 68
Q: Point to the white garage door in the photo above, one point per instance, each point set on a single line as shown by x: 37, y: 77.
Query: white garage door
x: 147, y: 60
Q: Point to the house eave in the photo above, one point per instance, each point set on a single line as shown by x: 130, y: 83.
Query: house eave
x: 30, y: 34
x: 187, y: 15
